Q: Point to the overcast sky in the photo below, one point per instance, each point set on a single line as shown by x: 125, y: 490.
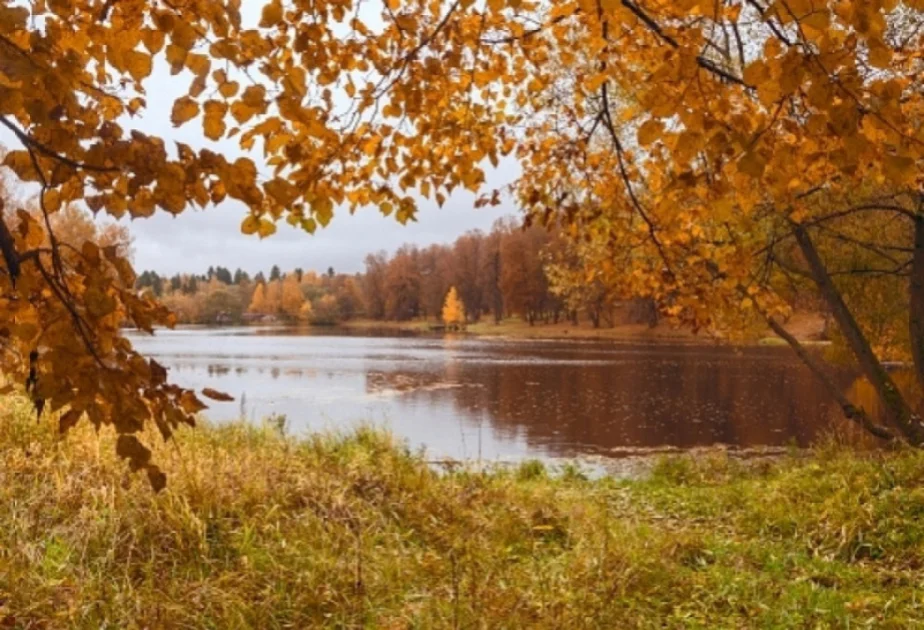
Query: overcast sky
x: 196, y: 240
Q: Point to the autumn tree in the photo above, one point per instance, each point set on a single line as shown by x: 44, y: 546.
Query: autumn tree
x: 325, y: 311
x: 306, y: 312
x: 273, y: 297
x: 258, y: 300
x: 453, y: 314
x: 490, y: 268
x: 467, y: 271
x: 523, y: 282
x: 220, y: 304
x: 292, y: 299
x: 700, y: 135
x: 374, y: 285
x: 349, y: 298
x: 402, y: 285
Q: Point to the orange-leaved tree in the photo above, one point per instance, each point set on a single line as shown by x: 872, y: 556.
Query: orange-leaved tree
x: 699, y: 135
x: 453, y: 310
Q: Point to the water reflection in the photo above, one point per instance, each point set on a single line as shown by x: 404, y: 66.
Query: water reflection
x: 463, y: 397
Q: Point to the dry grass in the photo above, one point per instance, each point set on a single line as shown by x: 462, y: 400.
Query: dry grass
x: 257, y: 530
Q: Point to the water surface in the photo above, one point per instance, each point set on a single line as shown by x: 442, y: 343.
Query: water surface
x: 464, y: 397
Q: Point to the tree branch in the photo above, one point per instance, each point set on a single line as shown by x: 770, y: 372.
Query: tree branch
x: 31, y: 142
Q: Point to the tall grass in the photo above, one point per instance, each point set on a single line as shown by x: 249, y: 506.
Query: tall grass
x: 258, y: 530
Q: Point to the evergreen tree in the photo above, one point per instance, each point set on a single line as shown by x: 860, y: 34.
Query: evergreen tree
x: 224, y: 275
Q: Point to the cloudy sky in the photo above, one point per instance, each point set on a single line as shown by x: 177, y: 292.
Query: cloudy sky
x: 195, y: 240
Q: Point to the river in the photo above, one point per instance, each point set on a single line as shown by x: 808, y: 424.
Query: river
x: 493, y: 399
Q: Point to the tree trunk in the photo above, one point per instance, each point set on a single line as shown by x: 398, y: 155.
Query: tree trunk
x: 916, y: 299
x: 594, y: 314
x: 895, y: 405
x: 497, y: 295
x: 851, y: 411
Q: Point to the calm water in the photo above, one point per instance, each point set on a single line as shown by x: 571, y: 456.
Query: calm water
x: 494, y: 399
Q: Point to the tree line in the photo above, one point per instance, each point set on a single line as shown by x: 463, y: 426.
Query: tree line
x: 513, y: 270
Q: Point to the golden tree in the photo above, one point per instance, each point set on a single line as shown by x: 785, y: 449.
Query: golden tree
x: 453, y: 309
x: 699, y: 134
x: 258, y: 300
x: 292, y: 297
x: 273, y: 303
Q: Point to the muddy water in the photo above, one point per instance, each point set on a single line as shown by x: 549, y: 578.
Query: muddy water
x: 494, y: 399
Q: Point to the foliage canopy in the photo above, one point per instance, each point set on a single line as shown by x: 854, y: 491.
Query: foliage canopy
x: 695, y: 135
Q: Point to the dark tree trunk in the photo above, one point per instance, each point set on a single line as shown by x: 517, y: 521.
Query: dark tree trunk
x: 895, y: 405
x: 594, y: 314
x: 916, y: 299
x: 498, y: 297
x: 851, y: 411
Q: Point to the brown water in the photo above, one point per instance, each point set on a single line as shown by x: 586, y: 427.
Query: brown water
x: 466, y: 398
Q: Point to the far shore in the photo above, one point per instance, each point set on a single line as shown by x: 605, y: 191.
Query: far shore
x: 806, y: 327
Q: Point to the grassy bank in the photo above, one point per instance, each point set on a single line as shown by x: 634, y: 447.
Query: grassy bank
x: 257, y: 530
x: 805, y: 327
x: 516, y: 328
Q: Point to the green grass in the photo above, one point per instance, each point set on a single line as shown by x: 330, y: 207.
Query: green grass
x: 257, y: 530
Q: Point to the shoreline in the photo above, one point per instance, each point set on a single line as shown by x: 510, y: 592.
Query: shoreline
x: 806, y: 327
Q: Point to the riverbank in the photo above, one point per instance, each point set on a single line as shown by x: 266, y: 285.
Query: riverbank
x: 259, y: 530
x: 806, y: 327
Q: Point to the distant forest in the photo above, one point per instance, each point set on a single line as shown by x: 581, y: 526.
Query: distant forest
x: 511, y: 271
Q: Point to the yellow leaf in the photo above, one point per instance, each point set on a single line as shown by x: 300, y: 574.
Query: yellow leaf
x: 650, y: 131
x: 229, y: 89
x: 250, y: 225
x: 184, y: 110
x: 281, y: 190
x: 370, y: 146
x: 153, y: 40
x: 272, y: 14
x: 595, y: 81
x: 880, y: 55
x: 255, y: 97
x: 52, y: 201
x: 266, y: 228
x: 213, y: 122
x: 139, y: 64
